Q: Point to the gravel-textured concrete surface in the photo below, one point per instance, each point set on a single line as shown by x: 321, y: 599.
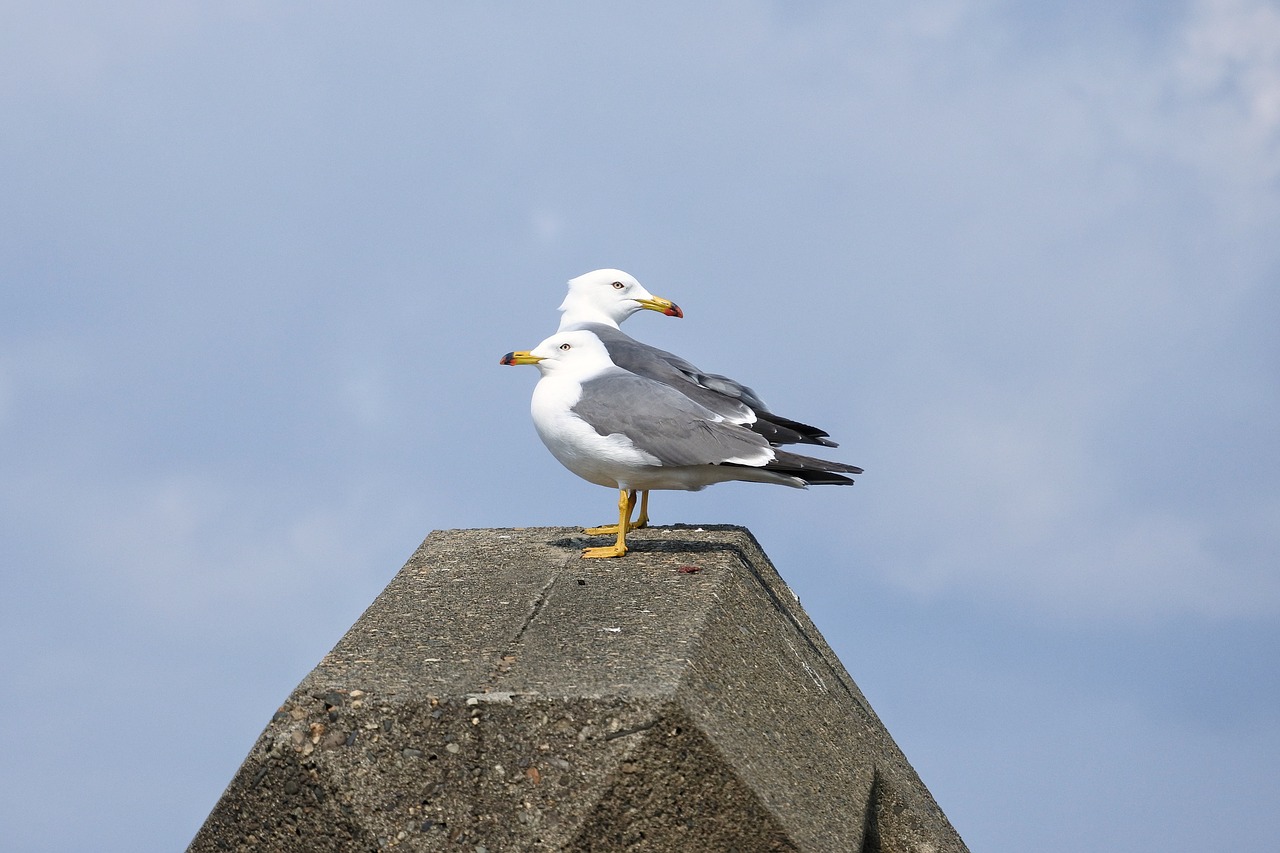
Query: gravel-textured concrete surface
x: 503, y: 694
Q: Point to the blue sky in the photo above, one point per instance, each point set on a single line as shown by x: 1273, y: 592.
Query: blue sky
x: 259, y: 260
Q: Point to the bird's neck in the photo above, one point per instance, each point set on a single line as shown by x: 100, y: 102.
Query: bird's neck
x: 574, y: 318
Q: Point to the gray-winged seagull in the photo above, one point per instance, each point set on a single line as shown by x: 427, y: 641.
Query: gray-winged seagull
x: 600, y: 300
x: 616, y: 428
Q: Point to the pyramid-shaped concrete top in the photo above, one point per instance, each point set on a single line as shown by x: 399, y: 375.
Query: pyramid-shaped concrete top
x: 503, y: 694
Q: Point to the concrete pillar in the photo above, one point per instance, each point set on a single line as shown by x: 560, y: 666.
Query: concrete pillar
x: 503, y: 694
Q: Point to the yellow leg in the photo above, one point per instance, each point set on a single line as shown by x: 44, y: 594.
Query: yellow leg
x: 641, y: 522
x: 626, y: 503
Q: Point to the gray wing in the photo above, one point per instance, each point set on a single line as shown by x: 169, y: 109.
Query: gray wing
x: 663, y: 422
x: 721, y: 385
x: 669, y: 369
x: 722, y: 395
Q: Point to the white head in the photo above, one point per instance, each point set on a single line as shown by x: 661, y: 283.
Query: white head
x: 579, y: 354
x: 609, y: 296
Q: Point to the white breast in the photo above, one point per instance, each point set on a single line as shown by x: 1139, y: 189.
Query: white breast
x: 604, y: 460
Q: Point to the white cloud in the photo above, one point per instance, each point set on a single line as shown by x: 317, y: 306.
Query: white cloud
x: 180, y: 548
x: 1232, y: 49
x: 1021, y: 512
x: 1228, y: 66
x: 1101, y: 219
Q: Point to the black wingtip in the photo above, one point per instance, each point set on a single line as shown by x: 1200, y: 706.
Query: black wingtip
x: 780, y: 430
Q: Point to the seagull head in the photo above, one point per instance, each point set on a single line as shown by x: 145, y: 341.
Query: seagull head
x: 610, y: 296
x: 578, y: 354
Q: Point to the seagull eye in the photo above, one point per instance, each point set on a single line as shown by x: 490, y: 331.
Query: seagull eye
x: 617, y: 285
x: 565, y: 346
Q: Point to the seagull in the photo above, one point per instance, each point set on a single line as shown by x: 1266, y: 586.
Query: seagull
x: 600, y: 300
x: 616, y: 428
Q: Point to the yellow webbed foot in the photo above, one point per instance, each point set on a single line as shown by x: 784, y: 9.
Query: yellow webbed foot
x: 613, y: 528
x: 604, y: 553
x: 626, y: 503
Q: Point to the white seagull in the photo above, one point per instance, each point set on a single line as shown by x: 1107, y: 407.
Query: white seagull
x: 616, y: 428
x: 600, y: 300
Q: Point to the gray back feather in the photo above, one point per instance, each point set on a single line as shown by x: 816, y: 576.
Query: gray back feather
x: 718, y: 393
x: 662, y: 421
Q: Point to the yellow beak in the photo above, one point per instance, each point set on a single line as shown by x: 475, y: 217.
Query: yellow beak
x: 662, y: 306
x: 520, y: 357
